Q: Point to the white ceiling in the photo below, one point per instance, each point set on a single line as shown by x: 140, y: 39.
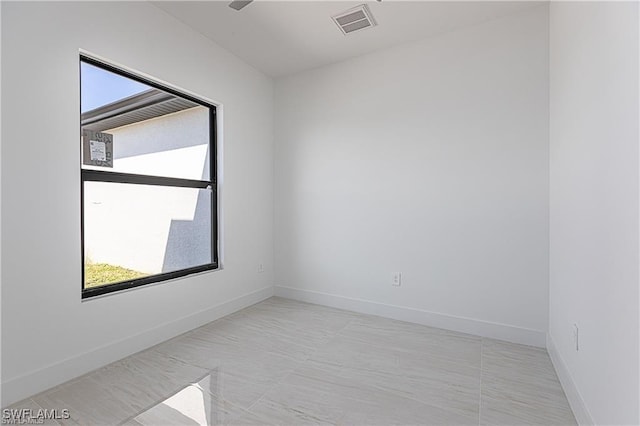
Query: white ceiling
x: 285, y: 37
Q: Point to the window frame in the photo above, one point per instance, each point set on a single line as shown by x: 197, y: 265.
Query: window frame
x: 91, y: 175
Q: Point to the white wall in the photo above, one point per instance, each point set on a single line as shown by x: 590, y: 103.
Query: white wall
x: 48, y: 334
x: 594, y: 207
x: 430, y: 158
x: 148, y: 147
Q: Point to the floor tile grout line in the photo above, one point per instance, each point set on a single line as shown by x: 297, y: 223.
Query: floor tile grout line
x: 42, y: 408
x: 276, y: 333
x: 376, y: 388
x: 293, y: 370
x: 266, y: 392
x: 244, y: 410
x: 315, y: 350
x: 303, y: 363
x: 411, y: 398
x: 329, y: 340
x: 410, y: 351
x: 238, y: 406
x: 245, y: 327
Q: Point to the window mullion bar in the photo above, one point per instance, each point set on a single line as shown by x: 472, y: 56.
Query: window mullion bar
x: 117, y: 177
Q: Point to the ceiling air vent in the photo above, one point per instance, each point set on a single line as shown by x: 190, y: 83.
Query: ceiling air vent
x: 354, y: 19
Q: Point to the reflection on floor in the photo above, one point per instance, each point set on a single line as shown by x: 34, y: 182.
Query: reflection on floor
x: 286, y: 362
x: 193, y: 405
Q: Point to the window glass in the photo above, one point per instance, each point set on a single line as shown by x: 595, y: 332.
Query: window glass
x: 133, y: 231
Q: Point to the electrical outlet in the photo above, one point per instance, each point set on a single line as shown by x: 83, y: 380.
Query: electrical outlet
x: 260, y: 268
x: 397, y: 279
x: 576, y: 337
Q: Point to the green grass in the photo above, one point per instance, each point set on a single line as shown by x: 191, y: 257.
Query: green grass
x: 97, y: 274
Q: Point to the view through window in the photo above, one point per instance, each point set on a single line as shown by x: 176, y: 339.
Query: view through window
x: 148, y: 181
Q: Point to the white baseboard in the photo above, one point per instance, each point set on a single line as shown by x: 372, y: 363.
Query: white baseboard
x: 492, y: 330
x: 29, y: 384
x: 580, y: 410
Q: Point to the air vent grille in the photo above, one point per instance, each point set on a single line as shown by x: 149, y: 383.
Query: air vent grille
x: 354, y: 19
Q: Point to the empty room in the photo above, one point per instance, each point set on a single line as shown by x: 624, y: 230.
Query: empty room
x: 375, y: 212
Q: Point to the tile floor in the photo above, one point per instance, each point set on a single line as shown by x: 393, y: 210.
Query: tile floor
x: 286, y: 362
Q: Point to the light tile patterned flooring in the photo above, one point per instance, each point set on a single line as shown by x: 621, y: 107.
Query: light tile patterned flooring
x: 286, y: 362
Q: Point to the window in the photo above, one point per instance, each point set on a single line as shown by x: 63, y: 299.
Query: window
x: 149, y: 203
